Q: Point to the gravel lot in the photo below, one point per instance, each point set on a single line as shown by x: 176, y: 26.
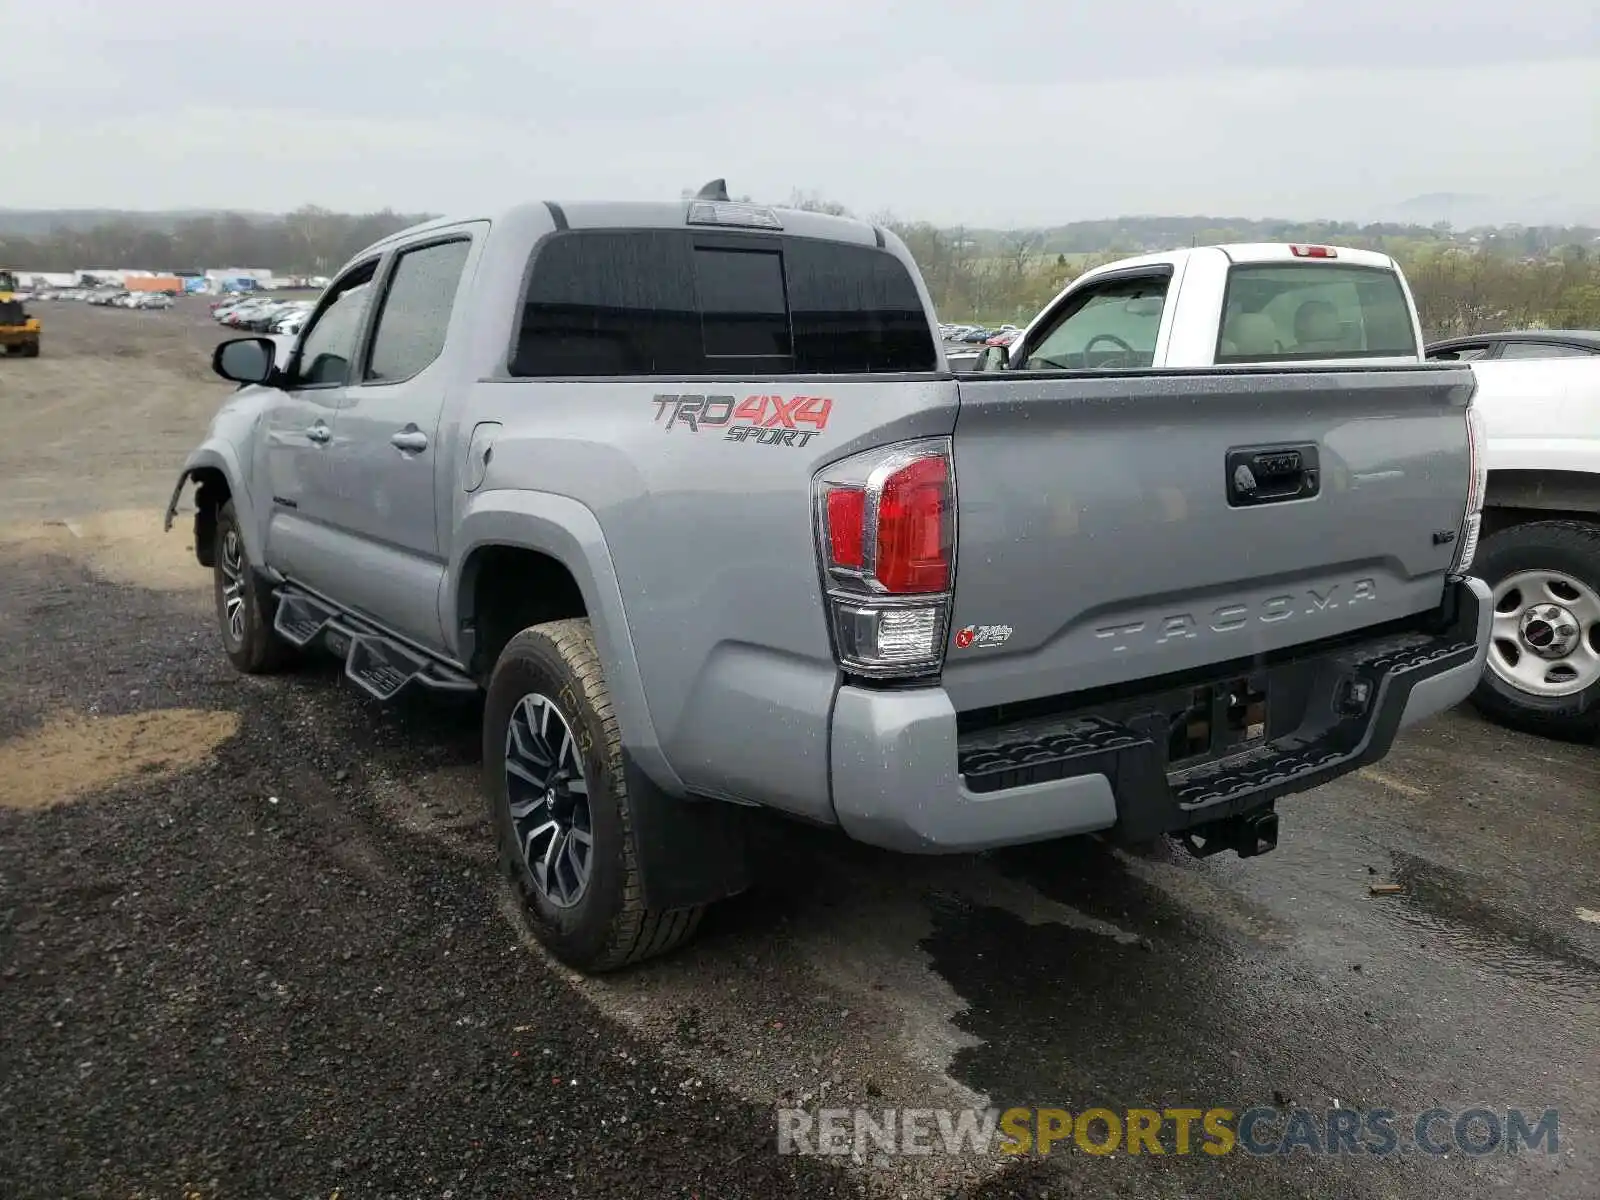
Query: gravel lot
x: 251, y: 943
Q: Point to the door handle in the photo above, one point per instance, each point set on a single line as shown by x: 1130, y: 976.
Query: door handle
x: 412, y: 440
x: 1272, y: 474
x: 319, y: 433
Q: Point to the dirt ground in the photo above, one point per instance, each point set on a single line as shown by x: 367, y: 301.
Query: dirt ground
x: 97, y: 423
x: 251, y: 941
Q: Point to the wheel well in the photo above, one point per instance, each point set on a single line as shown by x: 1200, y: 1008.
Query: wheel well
x: 211, y: 492
x: 1518, y: 497
x: 505, y: 590
x: 1496, y: 519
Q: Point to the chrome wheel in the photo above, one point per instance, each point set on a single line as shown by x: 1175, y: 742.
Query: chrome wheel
x: 549, y: 799
x: 232, y: 562
x: 1546, y: 633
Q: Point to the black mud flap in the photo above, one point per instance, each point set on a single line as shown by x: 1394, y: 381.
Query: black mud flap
x: 690, y: 851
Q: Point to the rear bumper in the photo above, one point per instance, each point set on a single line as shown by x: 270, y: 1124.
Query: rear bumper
x: 906, y: 777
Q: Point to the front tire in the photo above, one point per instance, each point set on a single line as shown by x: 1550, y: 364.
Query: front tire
x: 1543, y: 674
x: 245, y: 607
x: 558, y: 800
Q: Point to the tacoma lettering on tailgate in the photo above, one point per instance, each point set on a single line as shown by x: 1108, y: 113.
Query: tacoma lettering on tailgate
x: 1228, y: 618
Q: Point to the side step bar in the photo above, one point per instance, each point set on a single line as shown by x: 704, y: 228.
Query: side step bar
x: 378, y: 664
x: 300, y: 617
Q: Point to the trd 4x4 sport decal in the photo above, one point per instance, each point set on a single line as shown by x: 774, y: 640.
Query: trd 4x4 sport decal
x: 761, y: 420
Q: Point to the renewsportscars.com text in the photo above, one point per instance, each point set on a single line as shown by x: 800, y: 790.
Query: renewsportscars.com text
x: 863, y: 1133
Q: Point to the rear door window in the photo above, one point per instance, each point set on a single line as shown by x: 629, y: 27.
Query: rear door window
x: 1292, y: 312
x: 609, y: 303
x: 415, y: 315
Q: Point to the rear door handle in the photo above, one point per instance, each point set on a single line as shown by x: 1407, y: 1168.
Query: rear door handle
x: 319, y: 433
x: 410, y: 439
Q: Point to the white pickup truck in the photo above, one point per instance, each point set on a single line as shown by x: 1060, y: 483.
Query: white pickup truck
x: 1188, y: 308
x: 1539, y: 393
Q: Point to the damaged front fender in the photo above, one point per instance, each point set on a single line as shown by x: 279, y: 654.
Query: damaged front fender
x: 215, y: 471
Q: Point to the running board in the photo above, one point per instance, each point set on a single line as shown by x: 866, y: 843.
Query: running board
x: 383, y: 667
x: 301, y: 618
x: 379, y: 665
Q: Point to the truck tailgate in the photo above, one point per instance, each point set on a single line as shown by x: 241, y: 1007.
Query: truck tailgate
x: 1105, y: 533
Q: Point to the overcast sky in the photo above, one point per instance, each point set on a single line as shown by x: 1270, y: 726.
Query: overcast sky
x: 1000, y: 112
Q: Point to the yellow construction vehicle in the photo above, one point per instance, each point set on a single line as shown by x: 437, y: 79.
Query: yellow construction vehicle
x: 19, y: 333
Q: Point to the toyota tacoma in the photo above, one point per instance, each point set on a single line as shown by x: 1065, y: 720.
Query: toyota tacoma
x: 688, y: 491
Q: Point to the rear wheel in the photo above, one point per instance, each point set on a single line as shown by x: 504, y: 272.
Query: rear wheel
x: 245, y: 606
x: 558, y: 800
x: 1543, y: 673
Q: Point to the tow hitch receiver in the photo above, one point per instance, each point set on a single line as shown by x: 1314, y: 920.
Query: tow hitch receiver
x: 1247, y: 836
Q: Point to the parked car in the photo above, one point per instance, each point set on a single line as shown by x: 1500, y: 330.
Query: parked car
x: 1517, y: 345
x: 240, y: 315
x: 290, y: 322
x: 1539, y: 391
x: 221, y: 312
x: 973, y: 612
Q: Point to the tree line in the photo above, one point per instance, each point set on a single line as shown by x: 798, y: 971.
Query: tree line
x: 1465, y: 282
x: 308, y: 241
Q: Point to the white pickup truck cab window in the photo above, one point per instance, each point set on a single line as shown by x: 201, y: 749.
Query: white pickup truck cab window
x: 1233, y: 305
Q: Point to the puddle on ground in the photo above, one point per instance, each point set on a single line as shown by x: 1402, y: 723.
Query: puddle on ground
x: 71, y: 755
x: 1451, y: 907
x: 1068, y: 1011
x: 123, y: 545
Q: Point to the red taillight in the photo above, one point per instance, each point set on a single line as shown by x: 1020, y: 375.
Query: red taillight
x: 1313, y: 252
x: 886, y: 535
x: 847, y: 526
x: 913, y: 542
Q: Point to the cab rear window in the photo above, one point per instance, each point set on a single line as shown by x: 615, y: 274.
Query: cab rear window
x: 1293, y: 312
x: 611, y: 303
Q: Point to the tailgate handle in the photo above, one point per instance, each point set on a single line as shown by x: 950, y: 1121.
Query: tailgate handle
x: 1272, y: 474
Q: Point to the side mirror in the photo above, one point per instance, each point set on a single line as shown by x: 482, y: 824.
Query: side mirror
x: 993, y: 358
x: 245, y: 360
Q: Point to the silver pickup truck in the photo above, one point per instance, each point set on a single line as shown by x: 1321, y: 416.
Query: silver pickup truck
x: 689, y: 491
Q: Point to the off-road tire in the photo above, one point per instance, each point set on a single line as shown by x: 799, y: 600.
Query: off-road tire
x: 1572, y: 547
x: 259, y: 651
x: 609, y: 926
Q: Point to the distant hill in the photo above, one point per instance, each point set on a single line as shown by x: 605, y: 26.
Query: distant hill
x: 38, y: 222
x: 1141, y: 233
x: 1476, y: 210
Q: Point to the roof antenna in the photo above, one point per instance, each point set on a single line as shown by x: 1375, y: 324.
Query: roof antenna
x: 717, y: 189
